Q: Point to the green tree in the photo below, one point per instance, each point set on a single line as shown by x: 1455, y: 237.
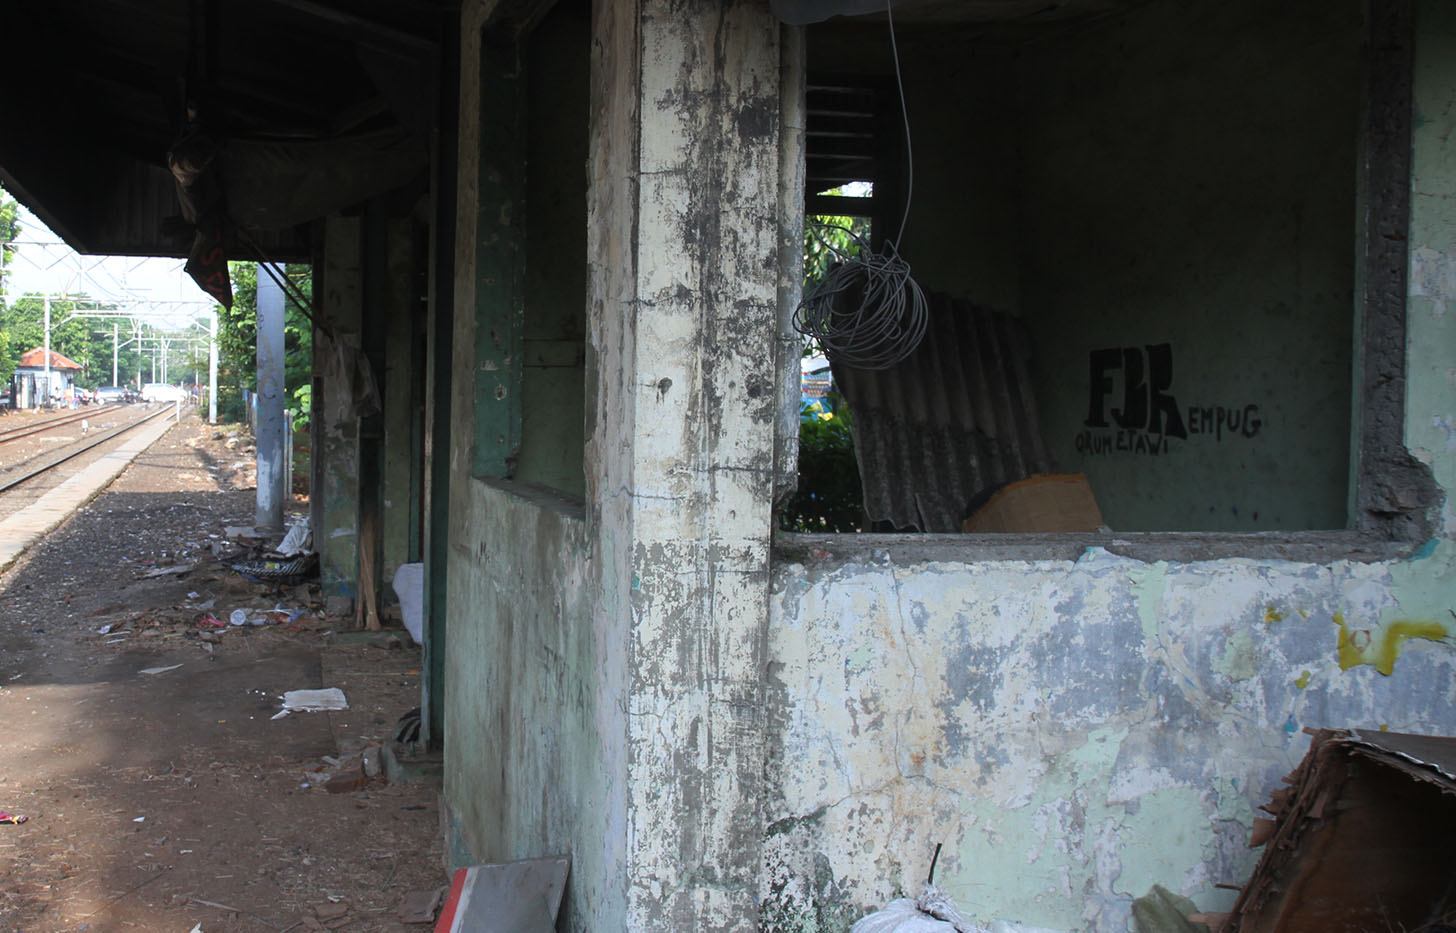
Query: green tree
x: 237, y: 340
x: 23, y: 324
x: 9, y: 233
x: 829, y: 496
x: 829, y: 239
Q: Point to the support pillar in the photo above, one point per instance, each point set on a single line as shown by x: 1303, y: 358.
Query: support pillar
x: 686, y: 168
x: 271, y: 469
x: 439, y: 329
x: 335, y: 422
x: 211, y: 368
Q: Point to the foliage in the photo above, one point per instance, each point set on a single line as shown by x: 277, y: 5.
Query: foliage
x: 828, y: 498
x: 9, y: 232
x: 237, y: 340
x: 829, y: 494
x: 829, y: 239
x: 86, y: 340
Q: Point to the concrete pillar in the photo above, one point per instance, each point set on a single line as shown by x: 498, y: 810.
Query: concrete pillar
x: 399, y: 512
x: 335, y: 424
x: 439, y: 333
x: 271, y: 468
x: 211, y: 368
x: 686, y: 168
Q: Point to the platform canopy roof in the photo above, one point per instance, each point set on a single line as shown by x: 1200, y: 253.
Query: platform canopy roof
x: 290, y: 109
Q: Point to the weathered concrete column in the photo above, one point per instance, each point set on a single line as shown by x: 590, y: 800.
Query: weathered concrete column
x: 335, y: 423
x: 271, y: 468
x: 686, y: 162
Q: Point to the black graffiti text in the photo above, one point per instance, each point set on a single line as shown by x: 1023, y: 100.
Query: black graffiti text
x: 1217, y: 419
x: 1147, y: 378
x: 1135, y: 442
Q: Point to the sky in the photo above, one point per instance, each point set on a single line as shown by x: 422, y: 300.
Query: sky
x: 44, y: 264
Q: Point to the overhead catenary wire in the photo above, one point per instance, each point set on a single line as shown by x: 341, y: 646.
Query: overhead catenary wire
x: 869, y: 312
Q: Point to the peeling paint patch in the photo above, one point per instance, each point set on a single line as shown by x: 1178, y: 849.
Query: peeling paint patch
x: 1424, y: 551
x: 1237, y: 663
x: 1362, y: 646
x: 1147, y: 588
x: 1446, y: 425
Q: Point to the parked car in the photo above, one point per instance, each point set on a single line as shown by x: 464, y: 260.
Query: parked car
x: 105, y: 394
x: 161, y: 392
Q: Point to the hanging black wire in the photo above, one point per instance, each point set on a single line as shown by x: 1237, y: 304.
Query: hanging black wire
x: 869, y: 312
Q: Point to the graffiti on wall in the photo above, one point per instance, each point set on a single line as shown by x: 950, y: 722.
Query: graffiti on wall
x: 1145, y: 415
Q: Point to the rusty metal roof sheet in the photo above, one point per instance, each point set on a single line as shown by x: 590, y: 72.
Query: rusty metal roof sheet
x: 956, y: 417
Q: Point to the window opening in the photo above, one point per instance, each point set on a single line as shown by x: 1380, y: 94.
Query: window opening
x: 1143, y: 269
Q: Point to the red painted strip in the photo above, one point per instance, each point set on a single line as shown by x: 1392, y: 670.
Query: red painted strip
x: 446, y: 923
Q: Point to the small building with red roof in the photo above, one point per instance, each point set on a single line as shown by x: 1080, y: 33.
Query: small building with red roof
x: 30, y: 379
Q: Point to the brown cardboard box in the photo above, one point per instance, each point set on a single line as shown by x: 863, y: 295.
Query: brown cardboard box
x: 1041, y: 503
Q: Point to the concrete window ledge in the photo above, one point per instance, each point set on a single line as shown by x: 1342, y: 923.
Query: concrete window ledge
x: 543, y: 497
x: 1182, y: 547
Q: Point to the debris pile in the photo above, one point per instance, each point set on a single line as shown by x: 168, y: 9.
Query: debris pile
x: 1360, y: 840
x: 234, y: 582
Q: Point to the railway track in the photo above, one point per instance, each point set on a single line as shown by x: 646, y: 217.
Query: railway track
x: 45, y: 424
x: 45, y: 463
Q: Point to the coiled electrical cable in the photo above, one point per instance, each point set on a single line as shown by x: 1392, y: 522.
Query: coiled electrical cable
x: 869, y: 312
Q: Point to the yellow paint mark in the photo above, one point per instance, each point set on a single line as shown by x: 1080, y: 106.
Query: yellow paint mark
x: 1272, y: 615
x: 1359, y: 647
x: 1303, y: 680
x: 1304, y: 613
x: 1385, y: 727
x: 1346, y: 645
x: 1397, y: 632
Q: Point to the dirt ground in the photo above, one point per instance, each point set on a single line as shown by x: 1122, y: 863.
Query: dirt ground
x: 174, y: 800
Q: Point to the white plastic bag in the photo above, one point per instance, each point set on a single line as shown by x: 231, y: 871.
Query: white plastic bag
x: 932, y: 912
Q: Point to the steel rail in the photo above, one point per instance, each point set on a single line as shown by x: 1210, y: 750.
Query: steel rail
x: 69, y: 418
x: 67, y: 455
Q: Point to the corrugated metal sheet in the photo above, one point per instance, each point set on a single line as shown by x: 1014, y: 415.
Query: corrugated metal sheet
x: 954, y: 418
x: 144, y: 199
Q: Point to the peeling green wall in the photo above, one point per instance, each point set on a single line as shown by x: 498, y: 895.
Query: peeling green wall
x: 534, y: 662
x: 553, y: 389
x: 1073, y: 731
x: 1077, y: 730
x: 522, y: 684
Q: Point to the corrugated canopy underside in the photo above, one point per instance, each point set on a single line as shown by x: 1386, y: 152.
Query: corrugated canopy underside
x: 100, y: 88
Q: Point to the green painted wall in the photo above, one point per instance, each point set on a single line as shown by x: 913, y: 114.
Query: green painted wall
x: 1189, y: 180
x: 1182, y: 176
x: 553, y: 390
x: 960, y: 237
x: 533, y: 668
x: 522, y: 677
